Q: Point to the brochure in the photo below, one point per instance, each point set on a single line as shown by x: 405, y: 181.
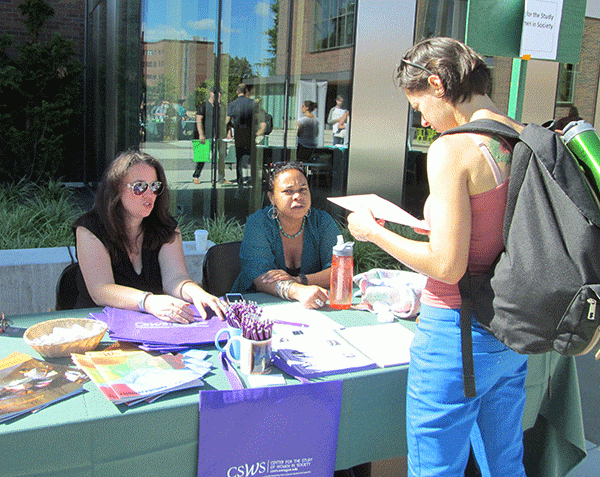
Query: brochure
x: 381, y: 209
x: 309, y: 344
x: 27, y: 384
x: 387, y: 345
x: 135, y: 376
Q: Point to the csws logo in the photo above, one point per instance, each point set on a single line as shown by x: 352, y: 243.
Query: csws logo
x: 247, y: 470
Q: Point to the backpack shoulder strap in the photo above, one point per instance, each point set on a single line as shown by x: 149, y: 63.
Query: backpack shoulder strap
x: 485, y: 126
x: 466, y: 338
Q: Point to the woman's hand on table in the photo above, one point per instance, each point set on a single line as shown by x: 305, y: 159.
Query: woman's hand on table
x: 311, y: 296
x: 168, y: 308
x: 273, y: 276
x: 203, y: 299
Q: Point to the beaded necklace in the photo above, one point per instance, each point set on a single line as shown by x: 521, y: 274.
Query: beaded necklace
x: 296, y: 234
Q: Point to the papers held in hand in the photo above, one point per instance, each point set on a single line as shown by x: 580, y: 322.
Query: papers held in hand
x: 381, y: 208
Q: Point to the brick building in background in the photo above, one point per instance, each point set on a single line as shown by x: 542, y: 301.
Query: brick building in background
x: 68, y: 20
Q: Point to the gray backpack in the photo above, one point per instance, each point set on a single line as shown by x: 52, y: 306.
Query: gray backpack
x: 542, y: 293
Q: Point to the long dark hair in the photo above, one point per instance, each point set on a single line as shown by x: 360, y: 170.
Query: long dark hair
x: 462, y: 71
x: 159, y: 227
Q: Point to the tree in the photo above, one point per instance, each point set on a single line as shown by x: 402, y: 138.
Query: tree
x: 272, y: 33
x: 40, y: 102
x: 240, y: 70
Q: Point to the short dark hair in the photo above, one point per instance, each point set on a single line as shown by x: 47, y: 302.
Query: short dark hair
x: 241, y: 89
x: 463, y: 72
x: 159, y: 226
x: 310, y: 105
x: 283, y: 167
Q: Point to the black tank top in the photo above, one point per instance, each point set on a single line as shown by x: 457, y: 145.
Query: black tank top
x: 149, y: 279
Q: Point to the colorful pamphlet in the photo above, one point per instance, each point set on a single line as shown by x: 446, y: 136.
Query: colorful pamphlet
x: 132, y: 375
x: 28, y: 384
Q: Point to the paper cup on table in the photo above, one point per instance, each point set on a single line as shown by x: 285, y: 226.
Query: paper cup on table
x: 255, y: 356
x: 201, y: 238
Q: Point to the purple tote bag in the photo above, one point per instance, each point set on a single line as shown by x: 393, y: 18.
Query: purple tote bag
x: 270, y: 432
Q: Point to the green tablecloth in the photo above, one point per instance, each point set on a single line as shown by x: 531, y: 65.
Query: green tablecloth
x: 88, y: 436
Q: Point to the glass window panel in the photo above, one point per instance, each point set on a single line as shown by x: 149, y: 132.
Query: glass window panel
x: 179, y: 36
x: 566, y: 83
x: 320, y: 35
x: 349, y: 30
x: 339, y: 31
x: 191, y: 46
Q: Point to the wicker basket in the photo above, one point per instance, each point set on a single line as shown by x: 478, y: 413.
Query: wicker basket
x: 64, y: 349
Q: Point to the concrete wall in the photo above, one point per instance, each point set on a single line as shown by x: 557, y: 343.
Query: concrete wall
x: 28, y: 277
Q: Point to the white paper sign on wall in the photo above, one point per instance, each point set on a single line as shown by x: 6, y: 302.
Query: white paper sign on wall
x: 541, y: 28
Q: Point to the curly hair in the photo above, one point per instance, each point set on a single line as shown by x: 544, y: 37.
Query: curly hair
x: 159, y: 227
x: 283, y: 167
x: 463, y: 72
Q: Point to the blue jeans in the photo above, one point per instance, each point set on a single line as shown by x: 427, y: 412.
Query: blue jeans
x: 441, y: 423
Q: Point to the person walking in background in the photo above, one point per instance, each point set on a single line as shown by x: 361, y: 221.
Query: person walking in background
x: 338, y: 119
x: 448, y: 83
x: 204, y: 127
x: 242, y: 116
x: 308, y: 131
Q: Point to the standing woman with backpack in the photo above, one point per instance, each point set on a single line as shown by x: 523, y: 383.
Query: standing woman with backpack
x: 448, y: 83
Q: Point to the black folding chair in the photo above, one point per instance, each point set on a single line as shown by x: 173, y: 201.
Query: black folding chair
x: 66, y: 288
x: 221, y: 267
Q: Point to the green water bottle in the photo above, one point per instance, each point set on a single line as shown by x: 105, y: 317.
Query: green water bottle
x: 583, y: 141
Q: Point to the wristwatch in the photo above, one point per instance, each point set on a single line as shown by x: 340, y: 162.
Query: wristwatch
x: 303, y: 279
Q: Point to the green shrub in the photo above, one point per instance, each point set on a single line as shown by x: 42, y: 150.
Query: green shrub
x: 35, y: 216
x: 220, y: 229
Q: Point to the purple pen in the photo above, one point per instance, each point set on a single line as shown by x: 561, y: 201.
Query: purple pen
x: 291, y: 323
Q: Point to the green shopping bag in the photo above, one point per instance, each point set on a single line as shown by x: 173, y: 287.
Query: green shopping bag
x: 201, y: 151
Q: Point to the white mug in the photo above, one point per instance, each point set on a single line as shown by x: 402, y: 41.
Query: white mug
x: 235, y: 346
x: 255, y: 356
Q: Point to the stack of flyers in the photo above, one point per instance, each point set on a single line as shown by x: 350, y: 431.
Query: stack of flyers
x: 157, y: 335
x: 132, y: 376
x: 28, y: 385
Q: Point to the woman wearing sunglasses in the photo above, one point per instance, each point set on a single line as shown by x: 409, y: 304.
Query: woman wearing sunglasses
x: 130, y: 250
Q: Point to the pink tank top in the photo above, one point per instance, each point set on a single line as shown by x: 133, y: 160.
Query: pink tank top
x: 487, y: 221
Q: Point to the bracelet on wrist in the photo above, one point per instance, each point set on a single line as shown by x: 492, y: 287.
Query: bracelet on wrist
x: 142, y: 301
x: 283, y: 288
x: 184, y: 283
x: 303, y: 279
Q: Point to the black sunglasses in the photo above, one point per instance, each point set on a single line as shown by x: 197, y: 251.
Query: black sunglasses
x: 139, y: 187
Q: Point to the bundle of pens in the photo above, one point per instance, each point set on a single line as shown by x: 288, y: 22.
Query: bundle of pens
x: 248, y: 317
